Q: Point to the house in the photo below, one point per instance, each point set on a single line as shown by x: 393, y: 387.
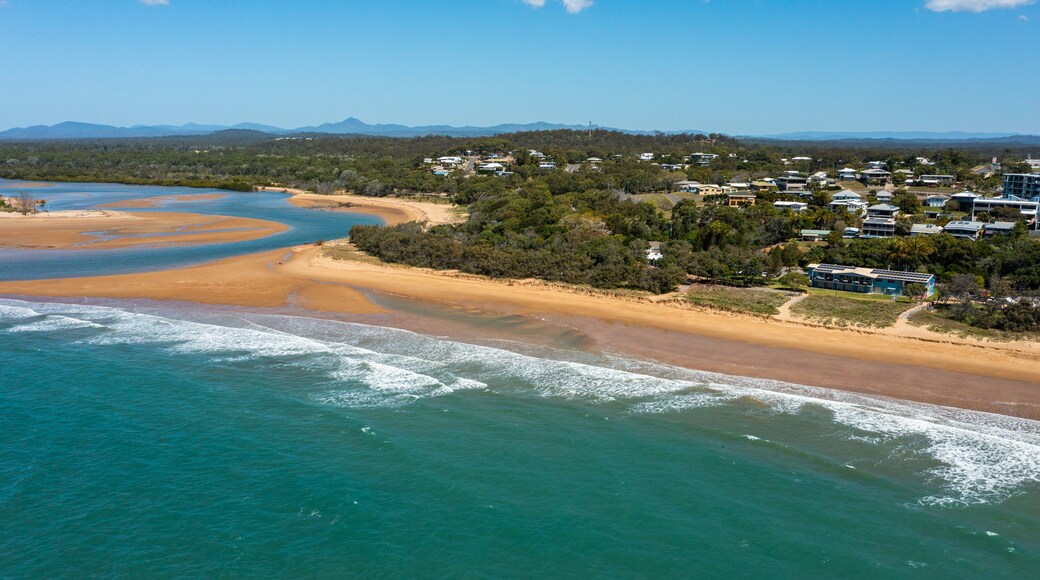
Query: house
x: 741, y: 199
x: 883, y: 210
x: 801, y: 159
x: 646, y: 156
x: 654, y: 252
x: 739, y: 185
x: 594, y: 160
x: 709, y: 189
x: 879, y: 227
x: 795, y: 206
x: 877, y: 165
x: 874, y: 176
x: 967, y: 230
x: 547, y: 165
x: 998, y: 229
x: 867, y: 281
x: 925, y: 230
x: 883, y: 196
x: 687, y: 186
x: 819, y: 177
x: 703, y: 159
x: 814, y: 235
x: 924, y: 161
x: 852, y: 206
x: 936, y: 200
x: 791, y: 182
x: 964, y: 200
x: 850, y: 233
x: 936, y: 180
x: 760, y: 186
x: 490, y: 167
x: 451, y: 161
x: 847, y: 174
x: 846, y: 195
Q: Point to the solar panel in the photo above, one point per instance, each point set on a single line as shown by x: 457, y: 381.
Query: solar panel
x: 903, y: 276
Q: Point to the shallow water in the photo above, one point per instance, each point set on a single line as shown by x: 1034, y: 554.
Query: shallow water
x: 305, y: 226
x: 153, y: 441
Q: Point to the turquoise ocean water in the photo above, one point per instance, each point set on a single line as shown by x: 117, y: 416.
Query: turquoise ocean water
x: 139, y: 441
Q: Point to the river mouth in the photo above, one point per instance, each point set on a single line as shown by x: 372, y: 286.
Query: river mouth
x: 303, y: 226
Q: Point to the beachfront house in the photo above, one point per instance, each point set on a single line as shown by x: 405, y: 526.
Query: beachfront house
x: 996, y: 229
x: 925, y: 230
x: 966, y: 230
x: 879, y: 227
x: 866, y: 280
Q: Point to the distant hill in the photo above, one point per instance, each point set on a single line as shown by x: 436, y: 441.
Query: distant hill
x: 897, y: 135
x: 351, y: 126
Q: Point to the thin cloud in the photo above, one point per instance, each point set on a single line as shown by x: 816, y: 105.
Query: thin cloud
x: 155, y: 2
x: 572, y: 6
x: 973, y: 5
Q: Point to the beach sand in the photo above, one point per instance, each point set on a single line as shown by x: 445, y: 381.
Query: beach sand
x: 923, y: 366
x: 106, y: 229
x: 393, y: 210
x: 994, y: 378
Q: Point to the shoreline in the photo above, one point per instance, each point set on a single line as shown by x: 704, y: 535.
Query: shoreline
x: 985, y: 377
x: 392, y: 210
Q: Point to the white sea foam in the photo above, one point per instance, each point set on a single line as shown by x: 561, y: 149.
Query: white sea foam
x: 980, y: 457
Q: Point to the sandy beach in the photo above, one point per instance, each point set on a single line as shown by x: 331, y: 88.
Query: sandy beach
x: 906, y: 363
x: 996, y: 378
x: 392, y: 210
x: 107, y: 229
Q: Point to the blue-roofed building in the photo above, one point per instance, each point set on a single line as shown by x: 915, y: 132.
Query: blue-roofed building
x: 866, y: 280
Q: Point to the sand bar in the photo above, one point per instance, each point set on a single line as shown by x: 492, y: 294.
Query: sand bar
x: 157, y: 201
x: 106, y: 229
x: 997, y: 378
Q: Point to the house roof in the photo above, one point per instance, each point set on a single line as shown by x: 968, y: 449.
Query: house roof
x: 883, y: 207
x: 1000, y: 226
x: 965, y: 226
x: 918, y: 277
x: 925, y: 229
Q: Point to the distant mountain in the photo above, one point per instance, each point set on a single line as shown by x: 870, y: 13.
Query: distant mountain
x: 351, y: 126
x: 897, y: 135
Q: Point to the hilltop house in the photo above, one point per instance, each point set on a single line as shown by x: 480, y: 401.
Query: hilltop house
x: 925, y: 230
x: 686, y: 186
x: 879, y: 227
x: 936, y: 180
x: 847, y: 174
x: 741, y: 199
x: 936, y: 200
x: 703, y: 159
x: 867, y: 281
x: 883, y: 210
x: 874, y: 176
x: 795, y: 206
x: 791, y: 182
x: 964, y: 200
x: 846, y: 195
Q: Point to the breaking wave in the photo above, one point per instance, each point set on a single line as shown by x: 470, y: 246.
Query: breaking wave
x: 977, y: 457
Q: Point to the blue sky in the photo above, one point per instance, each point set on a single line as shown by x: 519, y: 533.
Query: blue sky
x: 734, y: 66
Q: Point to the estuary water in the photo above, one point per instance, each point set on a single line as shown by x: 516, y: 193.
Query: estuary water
x: 153, y: 441
x: 305, y: 226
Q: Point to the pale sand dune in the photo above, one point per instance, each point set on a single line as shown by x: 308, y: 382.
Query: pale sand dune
x: 998, y: 378
x: 68, y: 229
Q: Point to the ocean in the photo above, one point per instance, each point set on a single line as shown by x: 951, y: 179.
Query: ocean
x: 156, y: 441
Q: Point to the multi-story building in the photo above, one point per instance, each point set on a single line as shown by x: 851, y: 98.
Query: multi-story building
x: 1023, y: 185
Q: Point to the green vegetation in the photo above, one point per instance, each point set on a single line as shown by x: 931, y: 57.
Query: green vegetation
x: 748, y: 300
x: 848, y: 311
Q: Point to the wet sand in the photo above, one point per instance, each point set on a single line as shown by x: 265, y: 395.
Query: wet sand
x: 157, y: 201
x: 997, y: 378
x: 106, y: 229
x: 392, y: 210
